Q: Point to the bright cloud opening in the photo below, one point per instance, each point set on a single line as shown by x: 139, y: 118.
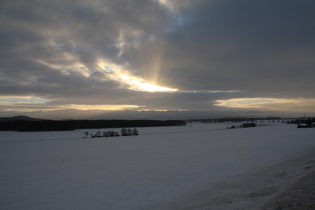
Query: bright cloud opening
x: 132, y: 82
x: 86, y: 107
x: 32, y: 107
x: 140, y: 85
x: 74, y: 66
x: 22, y: 99
x: 270, y: 104
x: 168, y: 4
x: 32, y: 103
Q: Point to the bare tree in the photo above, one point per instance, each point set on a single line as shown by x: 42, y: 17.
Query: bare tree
x: 86, y: 134
x: 135, y: 132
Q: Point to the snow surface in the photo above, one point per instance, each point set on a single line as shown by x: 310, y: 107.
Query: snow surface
x: 159, y: 169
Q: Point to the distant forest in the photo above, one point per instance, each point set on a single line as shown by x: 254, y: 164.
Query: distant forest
x: 55, y: 125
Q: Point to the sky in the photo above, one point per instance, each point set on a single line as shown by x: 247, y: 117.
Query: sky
x: 157, y: 59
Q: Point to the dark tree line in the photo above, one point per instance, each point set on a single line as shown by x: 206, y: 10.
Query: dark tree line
x: 55, y: 125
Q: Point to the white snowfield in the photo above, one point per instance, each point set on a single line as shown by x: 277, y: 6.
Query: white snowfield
x: 205, y: 166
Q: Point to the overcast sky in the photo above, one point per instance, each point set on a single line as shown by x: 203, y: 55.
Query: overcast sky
x: 157, y: 58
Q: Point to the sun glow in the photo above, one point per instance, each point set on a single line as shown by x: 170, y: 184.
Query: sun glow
x: 32, y: 107
x: 250, y: 102
x: 85, y: 107
x: 140, y: 85
x: 130, y: 81
x: 270, y: 104
x: 32, y: 103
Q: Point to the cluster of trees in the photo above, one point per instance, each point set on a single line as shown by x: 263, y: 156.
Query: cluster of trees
x: 129, y: 132
x: 123, y: 132
x: 59, y: 125
x: 101, y: 134
x: 303, y: 122
x: 306, y: 123
x: 244, y: 125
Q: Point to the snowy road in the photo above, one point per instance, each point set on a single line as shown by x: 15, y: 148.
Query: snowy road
x: 159, y: 169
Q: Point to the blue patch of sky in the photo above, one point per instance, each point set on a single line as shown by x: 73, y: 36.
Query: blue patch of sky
x: 24, y: 100
x: 108, y: 68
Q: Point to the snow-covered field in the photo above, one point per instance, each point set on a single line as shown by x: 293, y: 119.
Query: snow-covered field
x: 205, y: 166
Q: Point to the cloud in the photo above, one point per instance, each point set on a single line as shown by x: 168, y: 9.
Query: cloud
x: 297, y: 105
x: 156, y: 55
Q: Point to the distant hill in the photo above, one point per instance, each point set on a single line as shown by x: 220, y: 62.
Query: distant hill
x: 18, y: 118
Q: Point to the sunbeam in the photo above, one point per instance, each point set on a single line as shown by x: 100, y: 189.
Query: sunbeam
x: 132, y: 82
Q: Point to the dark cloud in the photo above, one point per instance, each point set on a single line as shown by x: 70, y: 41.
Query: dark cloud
x: 71, y: 52
x: 232, y: 43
